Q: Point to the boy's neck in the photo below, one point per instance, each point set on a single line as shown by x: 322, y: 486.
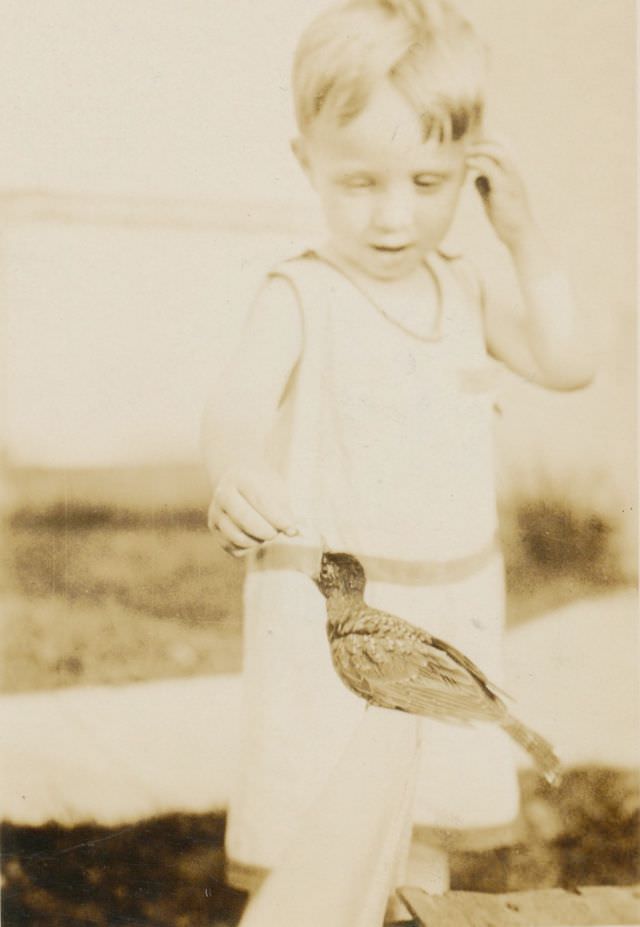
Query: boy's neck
x: 413, y: 301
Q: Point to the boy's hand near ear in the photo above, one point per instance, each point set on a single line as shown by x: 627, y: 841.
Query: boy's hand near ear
x: 545, y: 339
x: 502, y: 190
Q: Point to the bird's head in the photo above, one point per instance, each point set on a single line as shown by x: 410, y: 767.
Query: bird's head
x: 340, y: 574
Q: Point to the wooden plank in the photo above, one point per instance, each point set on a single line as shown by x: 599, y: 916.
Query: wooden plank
x: 587, y: 907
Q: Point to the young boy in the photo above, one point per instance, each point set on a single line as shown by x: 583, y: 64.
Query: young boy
x: 359, y: 400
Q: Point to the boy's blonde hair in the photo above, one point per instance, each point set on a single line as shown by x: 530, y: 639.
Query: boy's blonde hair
x: 425, y: 47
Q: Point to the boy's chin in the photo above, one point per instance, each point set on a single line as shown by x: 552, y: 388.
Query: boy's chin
x: 380, y: 263
x: 392, y: 264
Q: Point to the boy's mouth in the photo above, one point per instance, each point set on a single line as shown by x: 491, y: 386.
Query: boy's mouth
x: 391, y: 249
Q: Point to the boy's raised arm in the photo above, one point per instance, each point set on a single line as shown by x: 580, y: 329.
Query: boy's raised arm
x: 250, y: 502
x: 546, y: 339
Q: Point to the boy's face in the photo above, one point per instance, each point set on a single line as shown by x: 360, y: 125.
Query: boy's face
x: 388, y: 195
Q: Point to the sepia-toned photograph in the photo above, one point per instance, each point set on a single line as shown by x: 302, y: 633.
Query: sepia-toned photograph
x: 318, y: 449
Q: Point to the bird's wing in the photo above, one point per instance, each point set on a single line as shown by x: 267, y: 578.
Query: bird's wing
x: 405, y: 670
x: 469, y: 665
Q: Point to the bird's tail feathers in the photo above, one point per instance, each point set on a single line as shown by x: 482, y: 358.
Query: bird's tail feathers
x: 496, y: 690
x: 537, y: 747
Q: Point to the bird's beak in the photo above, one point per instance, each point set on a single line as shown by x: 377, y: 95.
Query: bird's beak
x: 316, y: 579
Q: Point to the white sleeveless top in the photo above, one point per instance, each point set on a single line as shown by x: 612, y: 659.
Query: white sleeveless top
x: 385, y: 435
x: 384, y: 438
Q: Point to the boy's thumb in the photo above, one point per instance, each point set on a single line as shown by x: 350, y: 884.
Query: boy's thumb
x: 483, y: 186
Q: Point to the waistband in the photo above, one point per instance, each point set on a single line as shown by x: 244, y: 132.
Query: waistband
x: 305, y: 558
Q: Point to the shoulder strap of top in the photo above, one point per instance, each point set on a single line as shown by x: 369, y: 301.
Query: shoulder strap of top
x: 465, y: 273
x: 295, y: 266
x: 301, y: 272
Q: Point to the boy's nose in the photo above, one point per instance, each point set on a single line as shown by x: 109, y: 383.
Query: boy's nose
x: 393, y: 212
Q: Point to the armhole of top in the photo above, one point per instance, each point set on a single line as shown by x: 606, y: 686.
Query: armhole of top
x: 467, y: 275
x: 280, y: 274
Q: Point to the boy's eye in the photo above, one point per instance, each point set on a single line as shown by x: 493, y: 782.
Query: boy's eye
x: 427, y: 181
x: 357, y: 182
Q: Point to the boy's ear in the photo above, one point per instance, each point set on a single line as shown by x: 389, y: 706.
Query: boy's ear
x: 299, y: 149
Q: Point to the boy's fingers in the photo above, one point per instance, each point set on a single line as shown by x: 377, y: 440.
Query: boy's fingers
x: 249, y: 520
x: 491, y: 156
x: 212, y: 515
x: 483, y: 163
x: 237, y: 552
x: 269, y: 503
x: 232, y: 533
x: 488, y: 148
x: 501, y: 147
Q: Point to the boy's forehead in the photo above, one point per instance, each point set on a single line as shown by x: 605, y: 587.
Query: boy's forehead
x: 387, y: 129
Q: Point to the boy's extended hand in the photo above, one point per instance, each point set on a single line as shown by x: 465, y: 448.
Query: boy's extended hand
x: 502, y: 191
x: 249, y: 507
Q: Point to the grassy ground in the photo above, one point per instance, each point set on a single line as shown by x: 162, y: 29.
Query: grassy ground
x: 106, y: 583
x: 168, y: 872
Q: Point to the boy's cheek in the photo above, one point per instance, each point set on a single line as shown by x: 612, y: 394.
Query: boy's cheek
x: 346, y: 215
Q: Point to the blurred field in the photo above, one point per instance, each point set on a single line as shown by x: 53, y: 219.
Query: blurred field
x: 115, y: 602
x: 106, y: 584
x: 112, y: 576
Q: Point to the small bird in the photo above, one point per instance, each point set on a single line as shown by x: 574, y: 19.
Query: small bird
x: 393, y: 664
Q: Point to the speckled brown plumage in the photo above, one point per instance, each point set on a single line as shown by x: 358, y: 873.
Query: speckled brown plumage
x: 393, y: 664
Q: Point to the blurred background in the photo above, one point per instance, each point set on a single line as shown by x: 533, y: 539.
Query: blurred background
x: 146, y: 184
